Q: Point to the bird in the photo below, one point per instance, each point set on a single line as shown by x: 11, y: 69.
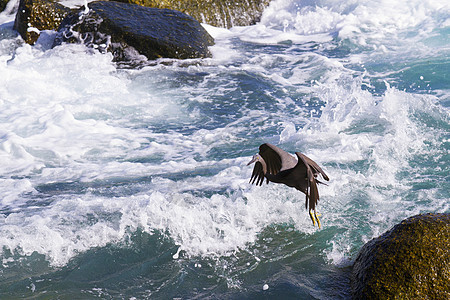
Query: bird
x: 278, y: 166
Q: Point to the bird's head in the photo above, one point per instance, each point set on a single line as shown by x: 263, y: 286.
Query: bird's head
x: 255, y: 158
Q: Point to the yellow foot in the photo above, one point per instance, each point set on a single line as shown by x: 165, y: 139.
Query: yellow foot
x: 317, y: 219
x: 314, y: 218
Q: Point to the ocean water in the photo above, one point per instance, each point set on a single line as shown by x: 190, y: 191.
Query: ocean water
x: 132, y: 183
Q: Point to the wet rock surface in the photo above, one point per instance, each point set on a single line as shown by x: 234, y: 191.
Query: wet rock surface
x: 410, y: 261
x: 36, y: 15
x: 219, y: 13
x: 125, y: 29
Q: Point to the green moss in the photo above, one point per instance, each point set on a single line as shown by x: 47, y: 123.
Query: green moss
x: 411, y: 261
x: 220, y: 13
x: 39, y: 14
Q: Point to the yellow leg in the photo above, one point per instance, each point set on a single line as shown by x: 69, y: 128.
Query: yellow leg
x: 314, y: 218
x: 317, y: 219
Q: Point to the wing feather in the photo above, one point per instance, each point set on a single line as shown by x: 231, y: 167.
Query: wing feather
x: 276, y: 159
x: 313, y: 165
x: 257, y: 174
x: 312, y: 192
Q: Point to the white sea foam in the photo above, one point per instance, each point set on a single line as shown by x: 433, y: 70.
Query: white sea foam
x: 388, y: 31
x: 217, y: 225
x: 392, y: 139
x: 353, y: 19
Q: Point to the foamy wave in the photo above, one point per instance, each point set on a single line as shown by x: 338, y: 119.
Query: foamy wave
x: 373, y: 24
x: 365, y: 142
x: 216, y: 225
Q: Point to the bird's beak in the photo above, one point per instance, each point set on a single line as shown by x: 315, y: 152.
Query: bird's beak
x: 253, y: 160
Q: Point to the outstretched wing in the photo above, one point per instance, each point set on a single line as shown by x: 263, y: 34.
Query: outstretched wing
x: 312, y: 192
x: 257, y: 174
x: 313, y: 165
x: 276, y: 159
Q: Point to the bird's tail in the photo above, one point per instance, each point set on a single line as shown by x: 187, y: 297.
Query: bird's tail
x: 312, y: 195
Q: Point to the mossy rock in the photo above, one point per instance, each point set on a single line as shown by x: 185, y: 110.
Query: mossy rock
x: 36, y: 15
x: 219, y: 13
x: 123, y: 29
x: 410, y: 261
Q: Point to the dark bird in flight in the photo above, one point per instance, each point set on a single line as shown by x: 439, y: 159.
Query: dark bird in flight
x: 276, y: 165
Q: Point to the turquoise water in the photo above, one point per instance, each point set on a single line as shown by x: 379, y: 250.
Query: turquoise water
x: 132, y: 183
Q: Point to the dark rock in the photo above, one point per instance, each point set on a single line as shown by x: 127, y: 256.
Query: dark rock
x: 219, y: 13
x: 36, y: 15
x: 122, y: 28
x: 3, y: 4
x: 410, y: 261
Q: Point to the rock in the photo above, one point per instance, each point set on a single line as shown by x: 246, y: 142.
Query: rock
x: 219, y: 13
x: 122, y: 28
x: 3, y: 4
x: 36, y: 15
x: 410, y: 261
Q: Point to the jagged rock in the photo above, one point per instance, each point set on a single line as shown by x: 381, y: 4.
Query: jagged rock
x: 36, y: 15
x: 410, y: 261
x: 219, y: 13
x: 122, y: 28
